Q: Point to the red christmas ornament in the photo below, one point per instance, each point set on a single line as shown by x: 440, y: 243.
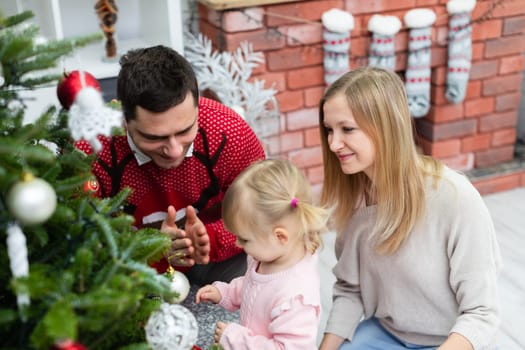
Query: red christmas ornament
x: 90, y: 186
x: 69, y: 345
x: 72, y: 83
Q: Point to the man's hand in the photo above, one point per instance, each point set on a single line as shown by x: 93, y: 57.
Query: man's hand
x: 198, y: 235
x: 190, y: 245
x: 181, y: 246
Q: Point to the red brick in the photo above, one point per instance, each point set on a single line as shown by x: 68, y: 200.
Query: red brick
x: 401, y: 61
x: 306, y: 77
x: 377, y: 6
x: 479, y: 106
x: 522, y: 178
x: 302, y: 119
x: 441, y: 149
x: 312, y: 137
x: 291, y: 141
x: 260, y: 39
x: 493, y: 156
x: 401, y: 41
x: 509, y: 8
x: 306, y: 157
x: 441, y: 34
x: 261, y: 68
x: 274, y: 80
x: 426, y: 3
x: 437, y: 95
x: 475, y: 143
x: 277, y: 15
x: 441, y: 15
x: 272, y: 145
x: 473, y: 89
x: 497, y: 183
x: 439, y: 56
x: 461, y: 162
x: 477, y: 51
x: 483, y: 69
x: 504, y: 137
x: 312, y: 96
x: 514, y: 25
x: 297, y: 57
x: 501, y: 84
x: 303, y: 34
x: 507, y: 102
x: 505, y: 46
x: 488, y: 29
x: 511, y: 64
x: 213, y: 33
x: 439, y: 75
x: 238, y: 21
x: 360, y: 26
x: 445, y: 113
x: 315, y: 175
x: 498, y: 121
x: 359, y: 46
x: 290, y: 100
x: 437, y: 132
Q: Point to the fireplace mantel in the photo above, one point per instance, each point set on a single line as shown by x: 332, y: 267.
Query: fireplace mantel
x: 231, y: 4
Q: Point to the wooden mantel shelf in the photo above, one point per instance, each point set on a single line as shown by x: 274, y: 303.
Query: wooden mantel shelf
x: 235, y: 4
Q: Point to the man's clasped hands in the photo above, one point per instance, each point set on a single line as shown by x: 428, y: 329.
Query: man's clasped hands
x: 189, y: 245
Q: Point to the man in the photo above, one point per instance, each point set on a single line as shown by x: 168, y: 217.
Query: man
x: 179, y: 155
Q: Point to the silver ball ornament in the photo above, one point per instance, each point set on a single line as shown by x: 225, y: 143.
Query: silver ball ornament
x: 32, y: 201
x: 178, y: 283
x: 172, y: 327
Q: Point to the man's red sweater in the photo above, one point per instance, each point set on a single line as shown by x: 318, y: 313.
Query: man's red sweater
x: 224, y: 146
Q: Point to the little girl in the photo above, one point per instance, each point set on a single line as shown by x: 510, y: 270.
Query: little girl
x: 269, y: 208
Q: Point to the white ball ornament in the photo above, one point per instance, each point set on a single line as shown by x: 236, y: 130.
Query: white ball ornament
x: 32, y: 201
x: 179, y: 283
x: 172, y: 327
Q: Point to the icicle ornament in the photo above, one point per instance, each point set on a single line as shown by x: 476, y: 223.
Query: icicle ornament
x: 17, y: 252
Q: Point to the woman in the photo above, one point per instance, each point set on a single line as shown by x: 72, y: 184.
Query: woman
x: 416, y: 247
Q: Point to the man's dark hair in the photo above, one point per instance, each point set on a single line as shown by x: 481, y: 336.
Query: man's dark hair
x: 156, y: 79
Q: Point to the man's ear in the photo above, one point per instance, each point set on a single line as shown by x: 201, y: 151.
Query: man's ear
x: 281, y: 234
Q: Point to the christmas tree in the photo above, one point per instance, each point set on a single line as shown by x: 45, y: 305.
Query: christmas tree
x: 75, y: 273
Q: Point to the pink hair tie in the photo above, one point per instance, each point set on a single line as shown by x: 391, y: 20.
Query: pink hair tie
x: 294, y: 202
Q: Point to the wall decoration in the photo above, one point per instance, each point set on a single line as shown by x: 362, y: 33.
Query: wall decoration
x: 417, y: 76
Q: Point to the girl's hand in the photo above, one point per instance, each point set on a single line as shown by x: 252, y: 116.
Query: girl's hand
x: 219, y: 329
x: 208, y: 293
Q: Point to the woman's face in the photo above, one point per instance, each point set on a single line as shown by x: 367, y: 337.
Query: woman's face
x: 350, y: 144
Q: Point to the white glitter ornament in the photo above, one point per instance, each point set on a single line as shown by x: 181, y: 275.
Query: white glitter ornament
x: 17, y: 252
x: 32, y: 201
x: 179, y: 283
x: 172, y: 327
x: 89, y: 117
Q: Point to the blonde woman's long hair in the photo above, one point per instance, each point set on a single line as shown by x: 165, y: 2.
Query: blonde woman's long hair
x: 265, y: 193
x: 379, y: 104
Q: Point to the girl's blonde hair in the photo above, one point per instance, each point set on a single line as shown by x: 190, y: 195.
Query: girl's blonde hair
x: 268, y: 191
x: 378, y: 102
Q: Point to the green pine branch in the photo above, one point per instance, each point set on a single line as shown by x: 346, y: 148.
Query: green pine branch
x: 89, y: 278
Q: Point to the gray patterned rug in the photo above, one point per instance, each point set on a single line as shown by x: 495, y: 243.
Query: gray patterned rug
x: 207, y: 315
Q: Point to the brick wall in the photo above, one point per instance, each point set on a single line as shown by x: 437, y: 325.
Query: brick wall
x: 479, y: 132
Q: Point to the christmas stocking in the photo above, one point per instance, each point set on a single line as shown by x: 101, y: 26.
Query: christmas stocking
x: 459, y: 48
x: 382, y: 50
x: 417, y: 76
x: 336, y: 43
